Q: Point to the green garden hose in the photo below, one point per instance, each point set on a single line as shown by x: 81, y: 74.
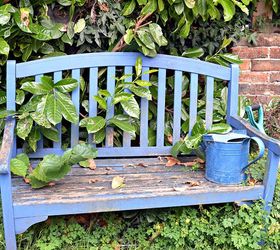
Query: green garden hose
x: 250, y: 113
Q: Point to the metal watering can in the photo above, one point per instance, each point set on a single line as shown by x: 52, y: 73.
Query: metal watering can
x: 227, y: 156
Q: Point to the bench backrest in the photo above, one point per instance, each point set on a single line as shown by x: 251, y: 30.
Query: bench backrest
x: 95, y: 61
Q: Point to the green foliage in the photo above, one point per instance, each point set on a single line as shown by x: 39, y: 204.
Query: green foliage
x: 52, y: 167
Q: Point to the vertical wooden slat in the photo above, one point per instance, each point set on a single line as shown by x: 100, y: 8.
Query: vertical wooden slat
x: 177, y: 106
x: 161, y: 107
x: 209, y: 101
x: 193, y: 100
x: 56, y: 77
x: 144, y: 115
x: 41, y: 141
x: 126, y: 136
x: 93, y: 88
x: 232, y: 105
x: 111, y: 72
x: 76, y: 102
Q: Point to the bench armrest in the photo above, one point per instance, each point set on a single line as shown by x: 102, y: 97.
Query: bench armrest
x: 270, y: 143
x: 7, y: 145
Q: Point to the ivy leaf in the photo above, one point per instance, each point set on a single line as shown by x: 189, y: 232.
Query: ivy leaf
x: 131, y: 107
x: 66, y: 85
x: 141, y: 91
x: 24, y: 127
x: 129, y: 8
x: 20, y: 165
x: 36, y: 88
x: 35, y: 183
x: 50, y: 133
x: 93, y: 124
x: 52, y: 111
x: 66, y: 107
x: 33, y: 138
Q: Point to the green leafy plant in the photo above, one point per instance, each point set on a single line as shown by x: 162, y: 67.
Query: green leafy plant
x: 52, y: 167
x: 193, y: 142
x: 124, y: 97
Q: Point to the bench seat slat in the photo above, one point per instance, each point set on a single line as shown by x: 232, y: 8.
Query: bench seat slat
x: 160, y: 184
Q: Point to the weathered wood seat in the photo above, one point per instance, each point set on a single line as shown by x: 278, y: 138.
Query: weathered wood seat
x: 149, y: 183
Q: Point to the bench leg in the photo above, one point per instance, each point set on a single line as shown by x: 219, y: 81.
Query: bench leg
x: 270, y: 179
x: 8, y: 212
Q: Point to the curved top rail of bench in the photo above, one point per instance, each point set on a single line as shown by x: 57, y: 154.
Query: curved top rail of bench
x: 104, y: 59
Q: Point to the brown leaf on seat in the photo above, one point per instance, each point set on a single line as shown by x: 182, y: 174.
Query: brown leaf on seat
x: 93, y: 181
x: 193, y: 183
x: 199, y: 160
x: 92, y: 164
x: 26, y: 180
x: 51, y: 184
x: 118, y: 182
x: 188, y: 164
x: 171, y: 161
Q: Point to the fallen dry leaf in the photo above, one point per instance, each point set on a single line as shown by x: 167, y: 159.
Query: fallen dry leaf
x: 252, y: 181
x: 93, y: 181
x: 117, y: 182
x: 188, y: 164
x: 108, y: 168
x: 171, y: 161
x: 193, y: 183
x: 51, y: 184
x: 26, y: 180
x: 92, y: 164
x: 199, y: 160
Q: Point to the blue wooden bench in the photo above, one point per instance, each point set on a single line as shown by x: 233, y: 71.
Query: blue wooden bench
x: 151, y: 186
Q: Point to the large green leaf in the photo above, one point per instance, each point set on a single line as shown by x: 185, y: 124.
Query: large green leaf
x: 20, y: 165
x: 50, y: 133
x: 4, y: 51
x: 129, y: 8
x: 180, y: 147
x: 99, y: 136
x: 36, y: 88
x: 193, y: 53
x: 24, y: 127
x: 93, y: 124
x: 231, y: 58
x: 229, y: 8
x: 66, y: 107
x: 190, y: 3
x: 199, y: 128
x: 20, y: 96
x: 220, y: 128
x: 141, y: 91
x: 131, y: 107
x: 40, y: 119
x: 157, y: 34
x: 23, y: 19
x: 33, y: 138
x: 150, y: 7
x: 123, y: 125
x: 52, y: 111
x: 51, y: 168
x: 101, y: 101
x: 66, y: 85
x: 138, y: 66
x: 121, y: 97
x: 146, y: 39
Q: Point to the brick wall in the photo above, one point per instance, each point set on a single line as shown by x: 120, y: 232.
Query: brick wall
x: 260, y: 70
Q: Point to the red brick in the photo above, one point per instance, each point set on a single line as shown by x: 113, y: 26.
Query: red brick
x: 263, y: 99
x: 260, y: 89
x: 275, y: 53
x: 253, y: 77
x: 245, y: 65
x: 275, y: 77
x: 250, y: 52
x: 269, y: 39
x: 265, y: 65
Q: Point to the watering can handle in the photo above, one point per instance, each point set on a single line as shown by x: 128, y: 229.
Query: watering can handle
x: 261, y: 150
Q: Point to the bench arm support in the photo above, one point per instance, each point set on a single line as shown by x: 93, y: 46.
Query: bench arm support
x: 270, y: 143
x: 7, y: 145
